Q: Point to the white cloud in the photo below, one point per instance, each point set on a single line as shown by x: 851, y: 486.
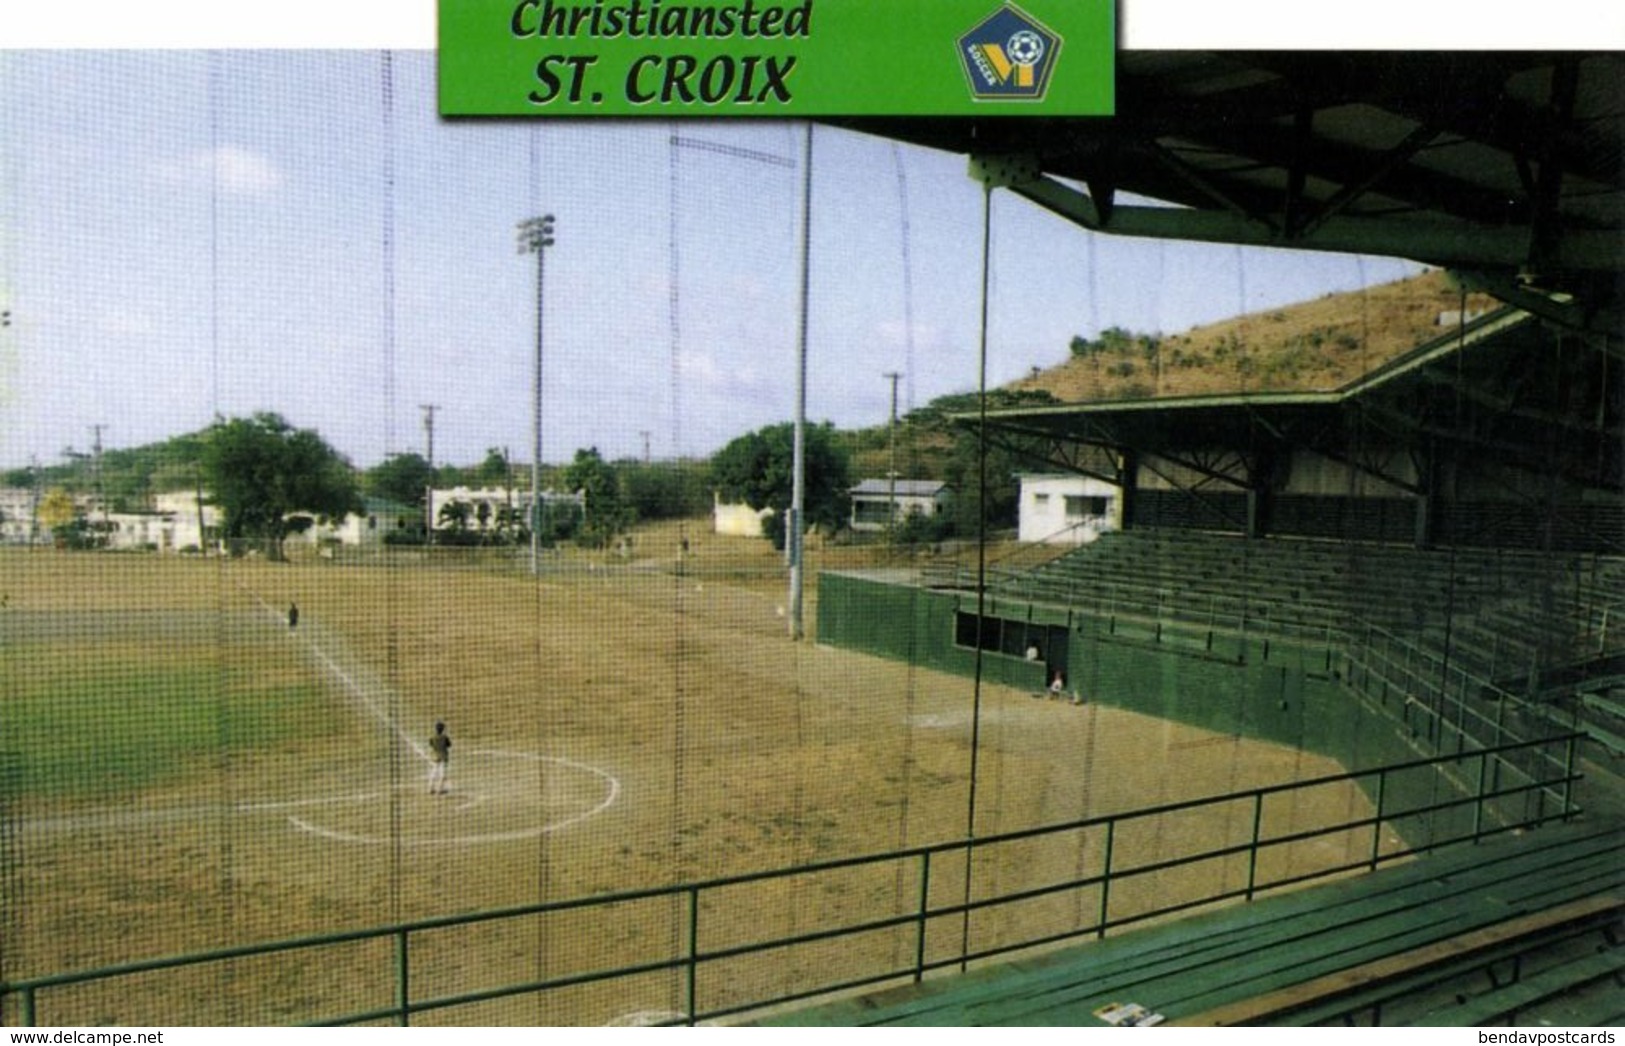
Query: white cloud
x: 126, y: 322
x: 237, y: 171
x: 895, y: 332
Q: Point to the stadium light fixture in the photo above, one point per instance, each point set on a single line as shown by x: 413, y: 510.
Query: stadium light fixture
x: 535, y: 236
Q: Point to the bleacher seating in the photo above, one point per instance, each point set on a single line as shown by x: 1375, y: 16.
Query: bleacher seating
x: 1603, y: 705
x: 1461, y: 936
x: 1386, y: 948
x: 1502, y: 616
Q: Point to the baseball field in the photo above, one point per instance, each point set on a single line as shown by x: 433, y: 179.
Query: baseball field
x: 184, y: 771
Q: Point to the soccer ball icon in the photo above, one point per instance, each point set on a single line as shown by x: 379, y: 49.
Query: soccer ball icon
x: 1025, y: 47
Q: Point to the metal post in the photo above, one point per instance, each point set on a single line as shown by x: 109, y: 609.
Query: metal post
x: 1376, y: 827
x: 403, y: 1013
x: 693, y: 952
x: 891, y: 471
x: 535, y: 236
x: 1569, y: 753
x: 1252, y: 851
x: 428, y: 495
x: 798, y: 494
x: 925, y: 906
x: 1106, y: 881
x: 1478, y: 805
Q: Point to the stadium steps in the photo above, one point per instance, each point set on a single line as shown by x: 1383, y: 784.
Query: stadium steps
x: 1323, y: 949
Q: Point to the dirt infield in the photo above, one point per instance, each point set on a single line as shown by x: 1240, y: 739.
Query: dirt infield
x: 615, y: 726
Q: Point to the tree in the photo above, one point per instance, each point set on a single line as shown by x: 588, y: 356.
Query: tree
x: 605, y: 513
x: 455, y: 515
x: 401, y: 478
x: 56, y: 509
x: 664, y: 489
x: 495, y: 470
x: 959, y: 463
x: 759, y: 469
x: 261, y: 470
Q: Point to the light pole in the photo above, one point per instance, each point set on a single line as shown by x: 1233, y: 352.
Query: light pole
x: 535, y: 236
x: 798, y: 487
x: 428, y: 493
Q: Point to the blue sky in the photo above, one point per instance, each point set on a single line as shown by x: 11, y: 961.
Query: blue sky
x: 187, y: 233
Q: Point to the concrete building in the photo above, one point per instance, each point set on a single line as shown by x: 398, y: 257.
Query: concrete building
x: 1067, y: 509
x: 879, y: 503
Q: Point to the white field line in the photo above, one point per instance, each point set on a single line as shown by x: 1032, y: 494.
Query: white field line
x: 356, y: 688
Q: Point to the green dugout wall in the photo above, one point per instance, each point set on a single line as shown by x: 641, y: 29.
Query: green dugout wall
x: 1268, y: 690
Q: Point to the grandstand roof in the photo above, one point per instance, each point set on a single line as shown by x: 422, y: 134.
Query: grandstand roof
x: 1473, y: 391
x: 1504, y: 165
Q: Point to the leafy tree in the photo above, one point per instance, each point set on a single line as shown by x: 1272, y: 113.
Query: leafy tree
x: 261, y: 470
x: 664, y: 489
x: 495, y: 470
x: 56, y: 509
x: 510, y: 523
x: 401, y: 478
x: 959, y: 463
x: 759, y: 469
x: 455, y: 514
x: 605, y: 513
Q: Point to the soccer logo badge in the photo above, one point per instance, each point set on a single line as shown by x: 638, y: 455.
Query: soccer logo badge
x: 1009, y: 56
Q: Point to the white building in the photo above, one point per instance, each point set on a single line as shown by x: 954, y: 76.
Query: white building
x: 378, y: 518
x: 1067, y: 509
x: 486, y: 505
x: 17, y: 515
x: 879, y: 503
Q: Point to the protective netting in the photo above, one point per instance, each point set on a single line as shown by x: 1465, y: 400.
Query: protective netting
x: 203, y: 746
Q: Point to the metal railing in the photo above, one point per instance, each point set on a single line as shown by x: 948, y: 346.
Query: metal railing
x: 1118, y: 881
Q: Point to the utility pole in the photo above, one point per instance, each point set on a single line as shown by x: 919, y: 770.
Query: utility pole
x: 428, y: 492
x: 535, y: 236
x: 891, y: 472
x: 645, y: 434
x: 33, y: 510
x: 101, y: 497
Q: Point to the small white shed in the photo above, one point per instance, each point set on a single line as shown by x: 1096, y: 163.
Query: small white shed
x: 878, y: 503
x: 1066, y: 509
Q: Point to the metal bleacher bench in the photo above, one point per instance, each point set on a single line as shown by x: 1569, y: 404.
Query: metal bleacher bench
x: 1332, y: 953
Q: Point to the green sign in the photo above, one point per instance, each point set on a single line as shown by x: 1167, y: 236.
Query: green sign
x: 798, y: 58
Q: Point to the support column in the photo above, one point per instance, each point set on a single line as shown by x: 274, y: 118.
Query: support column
x: 1128, y: 472
x: 1427, y: 484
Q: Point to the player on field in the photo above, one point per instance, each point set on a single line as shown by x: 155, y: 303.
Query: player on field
x: 439, y: 756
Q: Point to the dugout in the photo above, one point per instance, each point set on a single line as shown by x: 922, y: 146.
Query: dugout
x: 1332, y: 694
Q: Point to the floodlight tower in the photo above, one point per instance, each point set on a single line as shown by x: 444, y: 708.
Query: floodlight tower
x: 796, y: 526
x: 428, y: 493
x: 535, y: 236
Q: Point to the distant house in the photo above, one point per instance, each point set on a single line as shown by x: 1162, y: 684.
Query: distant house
x: 480, y: 508
x: 176, y: 522
x: 17, y: 508
x: 1067, y: 509
x: 879, y: 503
x: 738, y: 519
x: 378, y: 517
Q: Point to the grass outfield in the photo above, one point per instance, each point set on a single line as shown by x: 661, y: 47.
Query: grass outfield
x: 105, y: 719
x: 616, y: 725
